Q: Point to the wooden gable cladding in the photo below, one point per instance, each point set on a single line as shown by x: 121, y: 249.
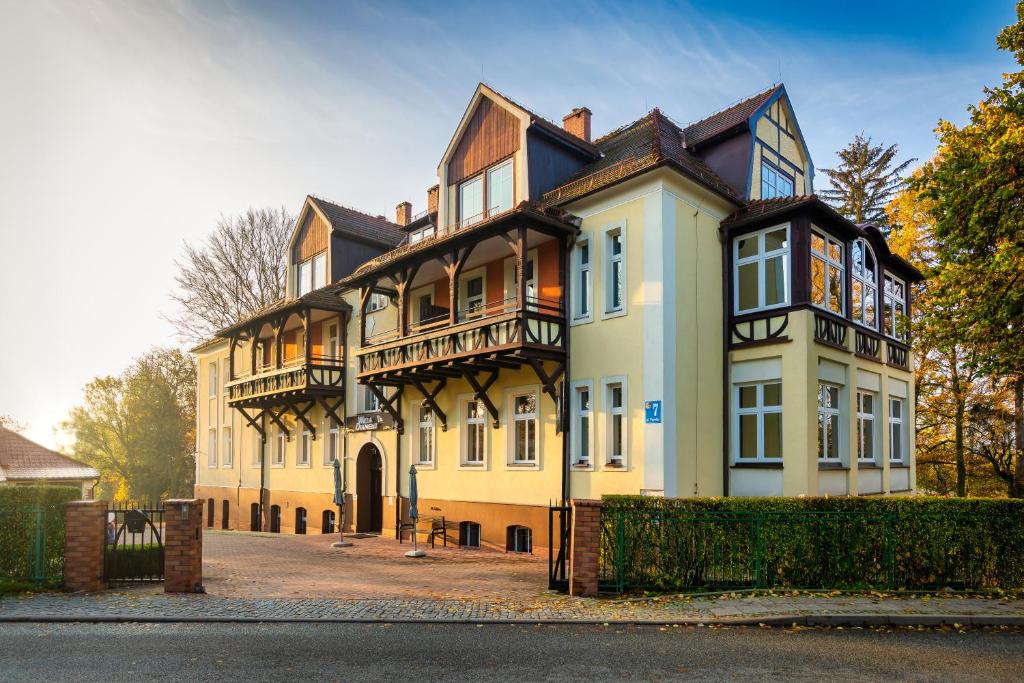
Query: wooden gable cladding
x: 492, y: 135
x: 312, y: 238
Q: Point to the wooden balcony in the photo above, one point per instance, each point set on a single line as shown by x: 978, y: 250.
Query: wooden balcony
x: 296, y: 380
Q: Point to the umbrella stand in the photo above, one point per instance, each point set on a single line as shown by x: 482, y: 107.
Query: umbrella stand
x: 339, y: 500
x: 413, y: 514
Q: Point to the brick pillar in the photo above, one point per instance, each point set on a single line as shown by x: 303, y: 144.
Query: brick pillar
x: 183, y: 546
x: 85, y: 523
x: 586, y: 537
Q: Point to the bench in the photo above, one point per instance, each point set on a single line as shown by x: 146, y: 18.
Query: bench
x: 430, y: 527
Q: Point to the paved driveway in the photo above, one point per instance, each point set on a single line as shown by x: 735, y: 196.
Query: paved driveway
x: 247, y: 565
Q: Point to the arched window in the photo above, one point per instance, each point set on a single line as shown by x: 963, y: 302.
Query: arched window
x: 469, y: 534
x: 209, y: 512
x: 225, y: 509
x: 275, y: 519
x: 327, y: 522
x: 865, y: 284
x: 519, y: 539
x: 300, y: 520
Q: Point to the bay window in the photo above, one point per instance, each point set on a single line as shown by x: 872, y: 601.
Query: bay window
x: 758, y: 422
x: 827, y: 273
x: 761, y: 269
x: 865, y: 284
x: 895, y: 292
x: 828, y: 422
x: 866, y: 426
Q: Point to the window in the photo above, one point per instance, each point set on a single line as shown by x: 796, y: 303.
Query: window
x: 304, y: 277
x: 474, y: 295
x: 300, y: 520
x: 827, y: 273
x: 865, y: 284
x: 865, y: 426
x: 370, y: 402
x: 828, y: 422
x: 320, y: 270
x: 499, y: 188
x: 211, y: 448
x: 761, y: 269
x: 471, y: 201
x: 473, y: 448
x: 584, y: 296
x: 758, y: 422
x: 469, y: 534
x: 895, y: 307
x: 302, y: 457
x: 333, y: 447
x: 615, y: 439
x: 524, y: 428
x: 327, y: 522
x: 212, y: 370
x: 332, y: 341
x: 228, y: 455
x: 425, y: 447
x: 775, y: 182
x: 378, y: 302
x: 279, y: 446
x: 615, y: 272
x: 257, y: 450
x: 518, y: 539
x: 896, y: 446
x: 421, y: 234
x: 581, y: 433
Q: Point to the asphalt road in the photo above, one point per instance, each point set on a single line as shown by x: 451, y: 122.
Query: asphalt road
x: 356, y: 652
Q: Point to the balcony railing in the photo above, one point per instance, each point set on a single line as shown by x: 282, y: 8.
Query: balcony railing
x: 324, y: 374
x: 498, y: 327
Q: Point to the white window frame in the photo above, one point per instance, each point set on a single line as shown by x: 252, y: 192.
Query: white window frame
x: 227, y: 437
x: 828, y: 263
x: 378, y: 302
x: 858, y: 276
x: 866, y: 421
x: 333, y: 442
x: 775, y: 170
x: 304, y: 277
x: 580, y: 294
x: 463, y: 293
x: 368, y: 401
x: 425, y: 433
x: 889, y: 305
x: 761, y: 258
x: 760, y: 410
x: 482, y: 420
x: 211, y: 447
x: 492, y: 208
x: 577, y: 427
x: 898, y: 422
x: 824, y: 412
x: 280, y: 450
x: 465, y: 220
x: 532, y: 420
x: 319, y: 270
x: 304, y: 449
x: 212, y: 374
x: 609, y: 460
x: 609, y: 233
x: 257, y: 451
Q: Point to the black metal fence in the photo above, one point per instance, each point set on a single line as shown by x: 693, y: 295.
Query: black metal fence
x: 134, y: 550
x: 559, y: 546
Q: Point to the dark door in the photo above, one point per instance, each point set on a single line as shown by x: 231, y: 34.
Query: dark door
x: 254, y: 517
x: 369, y: 484
x: 225, y: 511
x: 275, y: 519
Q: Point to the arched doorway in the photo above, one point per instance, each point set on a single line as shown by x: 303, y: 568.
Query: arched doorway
x: 369, y: 486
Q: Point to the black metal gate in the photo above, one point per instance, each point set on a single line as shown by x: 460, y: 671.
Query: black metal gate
x: 559, y: 546
x: 134, y: 550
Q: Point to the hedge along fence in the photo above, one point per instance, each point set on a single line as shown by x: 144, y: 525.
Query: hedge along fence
x: 847, y: 543
x: 32, y: 532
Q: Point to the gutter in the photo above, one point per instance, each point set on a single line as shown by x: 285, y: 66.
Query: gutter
x: 726, y: 315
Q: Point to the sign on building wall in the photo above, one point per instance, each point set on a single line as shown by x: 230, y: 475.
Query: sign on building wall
x: 369, y: 422
x: 652, y: 412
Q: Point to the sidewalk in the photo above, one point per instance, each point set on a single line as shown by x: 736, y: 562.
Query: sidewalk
x: 804, y: 609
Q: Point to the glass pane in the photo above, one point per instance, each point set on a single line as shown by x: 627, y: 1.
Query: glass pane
x: 775, y: 240
x: 869, y: 265
x: 584, y: 253
x: 896, y: 442
x: 616, y: 435
x: 616, y: 396
x: 775, y: 281
x: 835, y: 251
x: 748, y: 285
x: 773, y: 394
x: 748, y: 436
x: 526, y: 405
x: 748, y: 397
x: 822, y: 426
x: 585, y: 399
x: 835, y: 290
x: 499, y: 188
x: 887, y: 319
x: 869, y: 306
x: 869, y: 439
x: 616, y: 284
x: 857, y: 257
x: 584, y: 438
x: 858, y: 297
x: 748, y: 247
x: 773, y: 435
x: 817, y: 281
x: 817, y: 243
x: 868, y: 404
x: 472, y: 410
x: 833, y: 397
x: 896, y: 409
x: 584, y: 305
x: 471, y: 201
x: 616, y: 244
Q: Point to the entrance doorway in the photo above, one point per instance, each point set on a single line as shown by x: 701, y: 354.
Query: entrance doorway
x: 254, y: 517
x: 369, y: 487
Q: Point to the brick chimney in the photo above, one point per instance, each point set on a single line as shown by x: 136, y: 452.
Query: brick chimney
x: 577, y: 122
x: 403, y: 213
x: 432, y: 199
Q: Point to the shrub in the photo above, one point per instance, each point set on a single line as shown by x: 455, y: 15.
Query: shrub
x: 892, y: 542
x: 32, y: 531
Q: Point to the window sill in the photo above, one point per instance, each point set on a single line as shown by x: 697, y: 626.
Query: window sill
x: 614, y: 466
x: 302, y: 466
x: 832, y: 466
x: 868, y: 466
x: 756, y: 466
x: 522, y: 465
x: 425, y: 465
x: 613, y: 314
x: 277, y: 467
x: 581, y: 321
x: 471, y: 466
x: 898, y: 466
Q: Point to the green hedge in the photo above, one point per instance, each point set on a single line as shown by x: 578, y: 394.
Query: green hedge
x: 32, y: 531
x: 849, y: 543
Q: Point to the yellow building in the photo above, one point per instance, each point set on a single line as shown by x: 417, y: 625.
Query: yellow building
x: 664, y: 310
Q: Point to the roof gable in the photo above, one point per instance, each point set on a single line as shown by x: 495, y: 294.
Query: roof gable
x: 355, y: 224
x: 21, y: 459
x: 731, y: 119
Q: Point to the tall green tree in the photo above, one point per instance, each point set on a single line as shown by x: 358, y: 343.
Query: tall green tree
x: 865, y: 180
x: 976, y: 184
x: 138, y: 429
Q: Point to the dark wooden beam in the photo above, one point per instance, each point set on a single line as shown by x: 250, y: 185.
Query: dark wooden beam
x: 276, y: 419
x: 389, y: 404
x: 429, y: 397
x: 300, y: 415
x: 548, y: 382
x: 332, y: 411
x: 254, y: 422
x: 480, y: 391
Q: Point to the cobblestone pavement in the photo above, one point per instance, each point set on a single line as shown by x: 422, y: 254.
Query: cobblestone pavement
x: 246, y: 565
x: 134, y: 605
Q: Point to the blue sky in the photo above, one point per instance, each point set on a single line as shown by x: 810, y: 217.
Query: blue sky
x: 128, y: 126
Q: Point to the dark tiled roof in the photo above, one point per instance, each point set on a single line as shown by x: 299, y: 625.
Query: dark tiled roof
x: 326, y: 298
x: 760, y: 208
x: 21, y: 459
x: 360, y: 225
x: 642, y: 145
x: 730, y: 117
x: 550, y: 126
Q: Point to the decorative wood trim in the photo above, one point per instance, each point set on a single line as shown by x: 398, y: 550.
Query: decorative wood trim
x: 480, y: 391
x: 830, y: 332
x: 430, y: 398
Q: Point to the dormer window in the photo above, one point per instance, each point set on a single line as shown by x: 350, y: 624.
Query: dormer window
x: 496, y: 184
x: 311, y: 274
x: 421, y: 234
x: 775, y: 182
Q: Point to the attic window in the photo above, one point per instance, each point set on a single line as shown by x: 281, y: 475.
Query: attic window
x: 311, y: 274
x: 775, y: 182
x: 496, y: 184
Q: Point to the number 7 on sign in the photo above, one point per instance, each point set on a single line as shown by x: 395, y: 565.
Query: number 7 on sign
x: 652, y: 412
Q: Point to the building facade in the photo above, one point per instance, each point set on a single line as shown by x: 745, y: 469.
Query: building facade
x: 665, y: 310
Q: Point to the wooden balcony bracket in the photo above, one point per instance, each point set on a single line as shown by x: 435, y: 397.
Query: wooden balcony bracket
x: 402, y: 280
x: 480, y: 389
x: 453, y: 265
x: 332, y: 411
x: 391, y: 405
x: 276, y: 419
x: 300, y: 415
x: 550, y: 385
x: 430, y: 399
x: 255, y: 422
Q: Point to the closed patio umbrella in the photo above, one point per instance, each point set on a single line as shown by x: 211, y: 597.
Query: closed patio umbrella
x: 413, y: 513
x: 339, y: 500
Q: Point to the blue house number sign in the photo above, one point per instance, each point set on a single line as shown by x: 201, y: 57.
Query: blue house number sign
x: 652, y: 412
